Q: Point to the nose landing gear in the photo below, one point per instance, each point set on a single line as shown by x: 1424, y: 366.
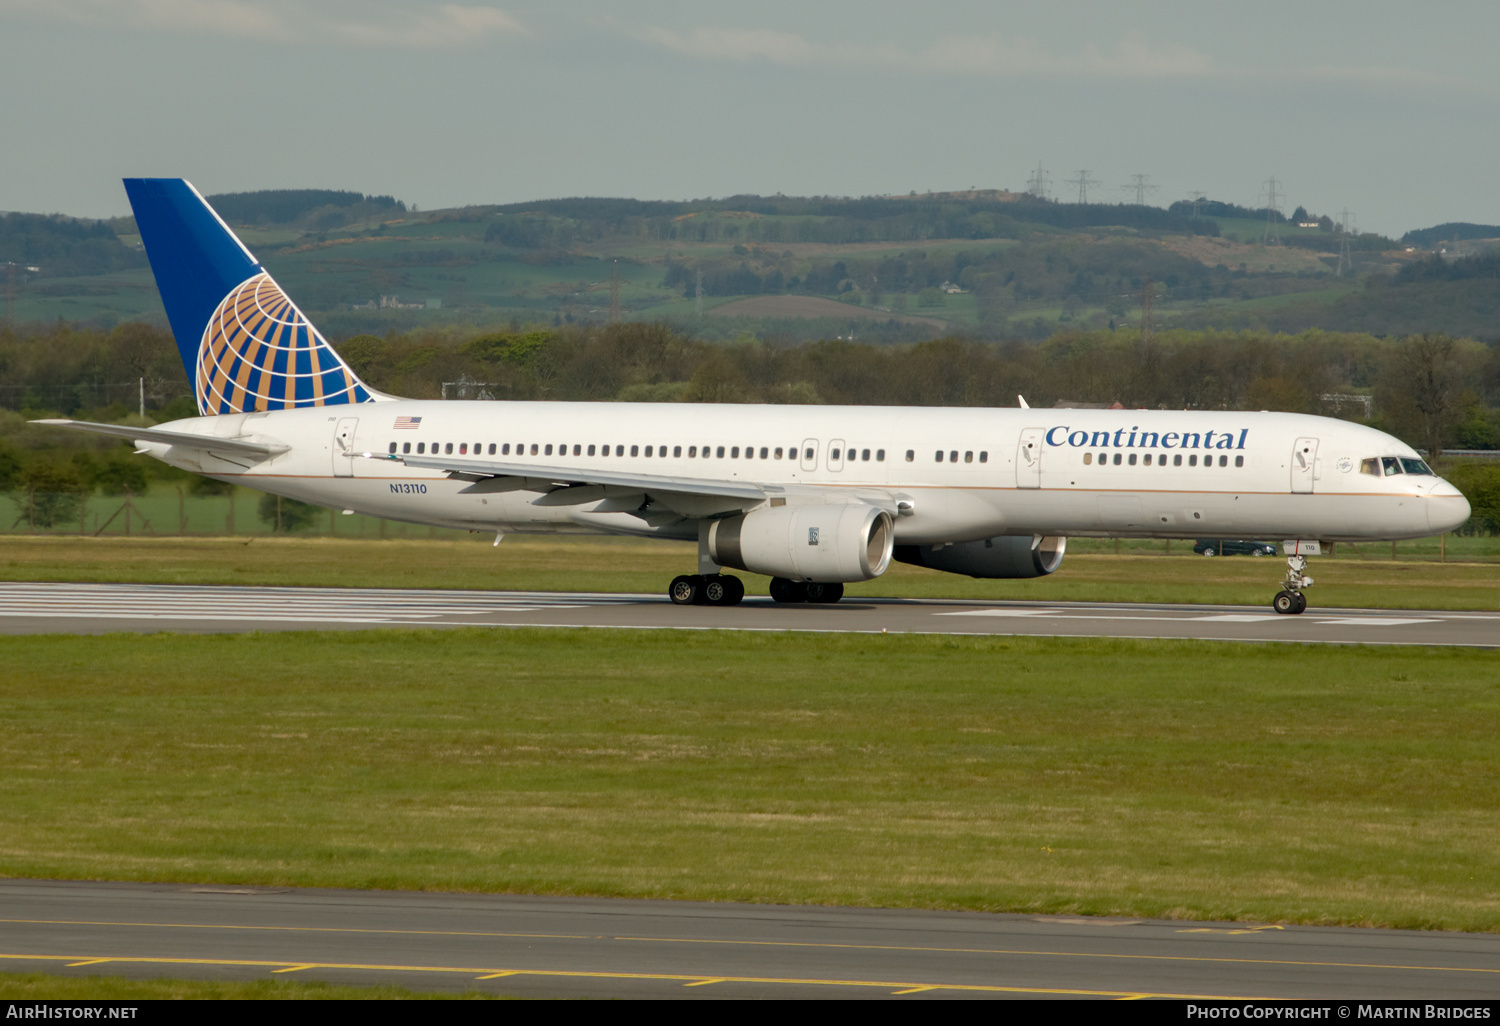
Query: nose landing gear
x: 1290, y: 598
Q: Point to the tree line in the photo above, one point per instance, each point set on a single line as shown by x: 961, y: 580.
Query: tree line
x: 1433, y: 391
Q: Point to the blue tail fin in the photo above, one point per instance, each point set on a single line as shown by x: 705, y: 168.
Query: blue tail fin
x: 246, y: 346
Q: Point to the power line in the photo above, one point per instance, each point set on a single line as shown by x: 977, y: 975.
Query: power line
x: 1271, y: 237
x: 1038, y: 182
x: 1083, y: 181
x: 1140, y: 183
x: 614, y: 292
x: 1346, y: 229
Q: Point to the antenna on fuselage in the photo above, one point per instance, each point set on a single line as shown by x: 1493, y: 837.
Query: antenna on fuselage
x: 1022, y: 400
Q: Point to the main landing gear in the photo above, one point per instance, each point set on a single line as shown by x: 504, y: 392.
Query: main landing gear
x: 783, y: 590
x: 1290, y: 598
x: 706, y: 590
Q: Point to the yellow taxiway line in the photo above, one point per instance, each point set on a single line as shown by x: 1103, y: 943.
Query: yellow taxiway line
x: 894, y: 986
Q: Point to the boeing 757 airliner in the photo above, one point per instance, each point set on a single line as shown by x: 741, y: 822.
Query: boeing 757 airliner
x: 811, y: 496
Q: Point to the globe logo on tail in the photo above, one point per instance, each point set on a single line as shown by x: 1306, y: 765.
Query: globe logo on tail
x: 260, y: 353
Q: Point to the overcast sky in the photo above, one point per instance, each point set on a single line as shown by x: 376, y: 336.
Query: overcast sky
x: 1386, y: 108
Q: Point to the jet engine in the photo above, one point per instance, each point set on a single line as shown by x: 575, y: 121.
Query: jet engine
x: 828, y: 544
x: 995, y: 558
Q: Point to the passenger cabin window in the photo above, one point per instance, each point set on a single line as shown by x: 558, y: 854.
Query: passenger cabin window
x: 448, y: 449
x: 910, y: 455
x: 1117, y: 459
x: 393, y: 447
x: 1239, y: 461
x: 1132, y: 459
x: 778, y: 451
x: 984, y: 457
x: 406, y: 447
x: 880, y: 456
x: 463, y: 448
x: 635, y: 450
x: 1088, y: 459
x: 719, y: 452
x: 969, y: 457
x: 421, y: 448
x: 938, y: 456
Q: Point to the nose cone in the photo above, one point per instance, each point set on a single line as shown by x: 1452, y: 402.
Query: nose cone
x: 1447, y: 509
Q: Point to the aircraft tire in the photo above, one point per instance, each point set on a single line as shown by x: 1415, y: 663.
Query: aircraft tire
x: 783, y: 590
x: 686, y: 590
x: 736, y: 588
x: 825, y: 592
x: 1286, y: 602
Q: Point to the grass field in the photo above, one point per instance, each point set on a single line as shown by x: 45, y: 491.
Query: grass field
x: 1141, y: 573
x: 1180, y: 779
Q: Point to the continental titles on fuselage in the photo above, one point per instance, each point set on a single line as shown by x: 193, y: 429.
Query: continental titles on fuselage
x: 1147, y: 439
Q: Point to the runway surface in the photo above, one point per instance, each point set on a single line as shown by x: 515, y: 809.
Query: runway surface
x: 99, y: 608
x: 588, y: 947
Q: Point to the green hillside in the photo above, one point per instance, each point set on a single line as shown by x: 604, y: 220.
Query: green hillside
x: 986, y: 264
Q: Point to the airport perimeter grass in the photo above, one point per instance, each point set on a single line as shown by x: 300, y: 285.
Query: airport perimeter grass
x: 1183, y: 779
x: 1365, y: 578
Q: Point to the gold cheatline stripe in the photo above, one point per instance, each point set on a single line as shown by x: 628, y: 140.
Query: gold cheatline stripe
x: 902, y: 986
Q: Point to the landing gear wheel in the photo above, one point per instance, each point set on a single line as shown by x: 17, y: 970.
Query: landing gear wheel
x: 714, y: 591
x: 1301, y: 603
x: 783, y: 590
x: 736, y: 590
x: 824, y: 592
x: 686, y: 590
x: 722, y: 590
x: 1289, y: 602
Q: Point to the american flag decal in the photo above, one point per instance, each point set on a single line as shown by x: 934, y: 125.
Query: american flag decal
x: 408, y: 423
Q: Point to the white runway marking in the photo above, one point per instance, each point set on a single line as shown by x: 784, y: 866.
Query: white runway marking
x: 284, y: 605
x: 1057, y: 614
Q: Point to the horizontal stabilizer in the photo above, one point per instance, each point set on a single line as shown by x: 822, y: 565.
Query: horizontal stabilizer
x: 206, y: 443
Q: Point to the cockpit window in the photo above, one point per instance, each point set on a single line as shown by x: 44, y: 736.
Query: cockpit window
x: 1370, y: 466
x: 1415, y: 466
x: 1392, y: 465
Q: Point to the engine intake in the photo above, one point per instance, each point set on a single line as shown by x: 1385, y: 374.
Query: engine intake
x: 994, y: 558
x: 828, y: 544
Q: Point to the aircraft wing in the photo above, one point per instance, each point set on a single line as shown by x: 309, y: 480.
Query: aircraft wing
x: 557, y: 478
x: 206, y: 443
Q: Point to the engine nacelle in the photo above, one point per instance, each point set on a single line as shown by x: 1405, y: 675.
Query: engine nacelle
x: 829, y: 544
x: 995, y: 558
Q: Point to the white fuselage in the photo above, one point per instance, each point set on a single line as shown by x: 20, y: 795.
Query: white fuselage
x: 1002, y: 471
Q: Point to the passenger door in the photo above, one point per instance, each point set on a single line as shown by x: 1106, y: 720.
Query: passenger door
x: 343, y: 444
x: 1029, y: 459
x: 810, y: 454
x: 1304, y: 465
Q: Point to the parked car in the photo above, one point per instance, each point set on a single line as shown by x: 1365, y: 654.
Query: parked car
x: 1233, y: 547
